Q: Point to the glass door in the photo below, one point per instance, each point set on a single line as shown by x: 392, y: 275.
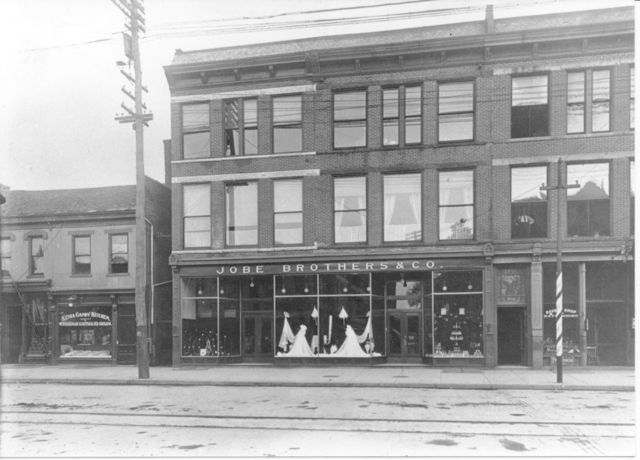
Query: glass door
x: 257, y: 335
x: 404, y: 334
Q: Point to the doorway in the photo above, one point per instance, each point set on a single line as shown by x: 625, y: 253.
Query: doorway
x: 607, y: 334
x: 257, y: 338
x: 404, y: 335
x: 511, y: 336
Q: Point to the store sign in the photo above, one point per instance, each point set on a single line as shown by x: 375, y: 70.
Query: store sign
x: 566, y: 313
x: 84, y: 319
x: 327, y: 267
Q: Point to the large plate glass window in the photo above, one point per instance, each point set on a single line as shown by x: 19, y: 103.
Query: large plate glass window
x: 455, y: 111
x: 402, y: 207
x: 287, y: 211
x: 85, y: 332
x: 119, y: 253
x: 456, y: 204
x: 588, y: 207
x: 575, y: 102
x: 242, y: 213
x: 350, y: 119
x: 601, y: 103
x: 350, y: 209
x: 529, y: 106
x: 81, y: 255
x: 528, y: 202
x: 36, y: 255
x: 196, y: 142
x: 197, y: 215
x: 287, y: 124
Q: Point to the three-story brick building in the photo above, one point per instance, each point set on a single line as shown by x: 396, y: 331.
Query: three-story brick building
x: 378, y: 196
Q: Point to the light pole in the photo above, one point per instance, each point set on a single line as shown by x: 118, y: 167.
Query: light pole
x: 559, y: 307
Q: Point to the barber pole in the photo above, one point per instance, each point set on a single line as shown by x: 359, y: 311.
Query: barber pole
x: 559, y: 350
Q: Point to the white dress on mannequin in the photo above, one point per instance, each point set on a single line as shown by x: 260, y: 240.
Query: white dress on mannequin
x: 351, y: 347
x: 300, y: 347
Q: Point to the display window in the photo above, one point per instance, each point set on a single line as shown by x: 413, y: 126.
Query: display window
x: 85, y: 332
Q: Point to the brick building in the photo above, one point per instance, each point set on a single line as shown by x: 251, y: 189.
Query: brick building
x: 67, y: 284
x: 377, y: 197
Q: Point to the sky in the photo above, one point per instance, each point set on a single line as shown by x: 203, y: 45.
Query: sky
x: 62, y: 84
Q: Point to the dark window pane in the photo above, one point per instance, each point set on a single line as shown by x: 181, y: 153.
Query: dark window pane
x: 529, y: 220
x: 529, y: 121
x: 119, y: 254
x: 599, y: 218
x: 232, y: 137
x: 196, y: 145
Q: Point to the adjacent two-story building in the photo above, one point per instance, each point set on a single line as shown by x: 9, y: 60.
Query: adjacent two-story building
x: 68, y: 268
x: 382, y: 196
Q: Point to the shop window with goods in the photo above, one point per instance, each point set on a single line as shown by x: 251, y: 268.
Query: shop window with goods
x: 85, y: 331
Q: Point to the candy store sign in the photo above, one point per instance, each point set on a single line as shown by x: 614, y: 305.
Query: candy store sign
x: 328, y: 267
x: 85, y: 318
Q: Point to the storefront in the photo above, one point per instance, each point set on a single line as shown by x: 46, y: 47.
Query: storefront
x: 407, y: 311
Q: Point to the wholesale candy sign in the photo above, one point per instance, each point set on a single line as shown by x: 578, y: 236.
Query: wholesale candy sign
x: 84, y: 319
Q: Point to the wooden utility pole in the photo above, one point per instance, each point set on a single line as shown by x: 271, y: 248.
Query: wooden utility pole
x: 559, y: 305
x: 134, y: 11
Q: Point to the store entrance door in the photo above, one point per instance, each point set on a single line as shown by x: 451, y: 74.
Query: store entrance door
x: 257, y: 335
x: 607, y: 334
x: 511, y: 336
x: 404, y: 335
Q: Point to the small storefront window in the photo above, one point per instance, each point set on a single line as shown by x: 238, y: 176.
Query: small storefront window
x: 85, y: 332
x: 457, y: 314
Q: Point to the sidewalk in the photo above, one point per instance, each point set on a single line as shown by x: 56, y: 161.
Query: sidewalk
x: 387, y: 375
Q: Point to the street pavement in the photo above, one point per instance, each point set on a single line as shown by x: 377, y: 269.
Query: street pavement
x: 89, y: 420
x: 388, y: 375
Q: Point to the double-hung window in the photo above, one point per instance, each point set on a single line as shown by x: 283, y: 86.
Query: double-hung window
x: 81, y: 255
x: 36, y: 255
x: 528, y: 202
x: 5, y: 256
x: 287, y: 124
x: 196, y: 142
x: 350, y: 119
x: 402, y: 207
x: 455, y: 111
x: 196, y: 199
x: 588, y: 206
x: 601, y: 100
x: 455, y: 195
x: 350, y: 209
x: 575, y: 102
x: 287, y: 211
x: 396, y: 121
x: 119, y: 253
x: 529, y: 106
x: 241, y: 127
x: 242, y: 213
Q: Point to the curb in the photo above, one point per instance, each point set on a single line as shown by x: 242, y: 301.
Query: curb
x: 438, y: 386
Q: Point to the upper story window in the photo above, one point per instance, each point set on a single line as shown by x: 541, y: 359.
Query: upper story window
x: 632, y: 97
x: 196, y: 142
x: 529, y: 106
x: 81, y: 255
x: 36, y: 255
x: 119, y: 253
x: 632, y: 186
x: 588, y: 207
x: 242, y: 214
x: 455, y: 111
x: 528, y: 202
x: 196, y: 200
x: 402, y: 207
x: 287, y: 124
x: 455, y: 190
x: 350, y: 209
x: 396, y: 121
x: 575, y: 102
x: 601, y: 100
x: 287, y: 211
x: 5, y: 256
x: 350, y: 119
x: 241, y: 127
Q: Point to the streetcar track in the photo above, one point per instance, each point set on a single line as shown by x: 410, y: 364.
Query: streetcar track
x: 311, y: 429
x: 309, y: 418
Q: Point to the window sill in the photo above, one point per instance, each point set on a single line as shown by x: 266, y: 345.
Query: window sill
x: 36, y: 275
x: 81, y: 275
x: 567, y: 136
x: 242, y: 157
x: 118, y: 274
x: 457, y: 241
